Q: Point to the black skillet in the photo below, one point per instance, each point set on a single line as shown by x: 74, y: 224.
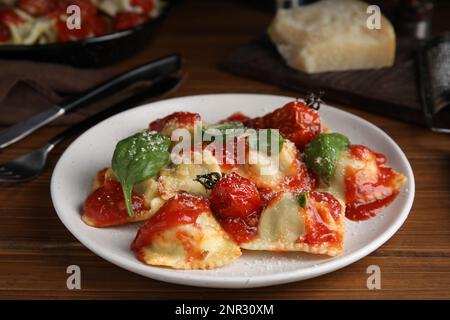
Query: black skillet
x: 91, y: 52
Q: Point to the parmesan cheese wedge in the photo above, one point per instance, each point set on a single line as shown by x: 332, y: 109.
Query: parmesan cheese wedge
x: 332, y: 35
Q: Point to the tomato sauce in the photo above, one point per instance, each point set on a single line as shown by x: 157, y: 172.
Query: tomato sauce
x: 127, y: 20
x: 361, y: 204
x: 5, y: 34
x: 236, y: 117
x: 241, y: 229
x: 105, y: 206
x: 9, y: 16
x: 317, y: 230
x: 181, y: 209
x: 182, y: 118
x: 303, y: 180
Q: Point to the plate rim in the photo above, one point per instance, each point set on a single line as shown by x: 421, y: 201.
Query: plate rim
x: 199, y: 280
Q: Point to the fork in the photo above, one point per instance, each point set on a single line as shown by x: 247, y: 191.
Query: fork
x: 30, y: 165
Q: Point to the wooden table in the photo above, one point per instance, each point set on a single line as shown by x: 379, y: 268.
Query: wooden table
x: 35, y: 247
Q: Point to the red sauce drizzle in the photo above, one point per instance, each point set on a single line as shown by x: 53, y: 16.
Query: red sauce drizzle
x: 181, y: 209
x: 105, y: 206
x: 359, y: 190
x: 317, y: 230
x: 242, y: 229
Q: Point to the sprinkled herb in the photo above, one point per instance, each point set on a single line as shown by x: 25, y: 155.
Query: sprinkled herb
x: 302, y: 198
x: 137, y: 158
x: 208, y: 180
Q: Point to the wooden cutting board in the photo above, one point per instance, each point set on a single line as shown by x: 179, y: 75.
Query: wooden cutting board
x: 392, y: 92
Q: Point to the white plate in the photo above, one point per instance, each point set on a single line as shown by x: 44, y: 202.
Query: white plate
x: 72, y: 178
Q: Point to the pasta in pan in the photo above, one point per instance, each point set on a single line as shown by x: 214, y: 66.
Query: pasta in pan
x: 280, y: 183
x: 27, y: 22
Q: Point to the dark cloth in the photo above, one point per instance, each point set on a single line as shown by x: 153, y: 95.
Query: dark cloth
x: 29, y: 87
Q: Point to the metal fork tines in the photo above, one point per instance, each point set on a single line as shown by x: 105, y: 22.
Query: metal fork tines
x: 30, y: 165
x: 25, y: 167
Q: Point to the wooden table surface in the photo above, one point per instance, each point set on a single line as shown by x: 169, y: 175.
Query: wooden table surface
x: 35, y: 247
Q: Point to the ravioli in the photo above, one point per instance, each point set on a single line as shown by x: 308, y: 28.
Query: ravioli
x: 266, y: 171
x: 104, y: 207
x: 364, y: 182
x: 285, y: 226
x: 200, y: 213
x: 183, y: 234
x: 42, y: 21
x: 182, y: 177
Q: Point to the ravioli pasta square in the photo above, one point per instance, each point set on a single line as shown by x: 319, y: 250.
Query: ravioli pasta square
x: 285, y: 226
x: 184, y: 234
x: 105, y: 205
x: 199, y: 215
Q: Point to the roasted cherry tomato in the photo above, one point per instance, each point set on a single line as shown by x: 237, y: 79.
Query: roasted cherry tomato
x: 234, y: 196
x: 295, y: 120
x: 127, y: 20
x: 37, y: 8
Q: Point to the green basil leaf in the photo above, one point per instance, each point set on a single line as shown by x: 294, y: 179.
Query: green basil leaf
x: 223, y: 127
x: 263, y: 142
x: 322, y: 153
x: 137, y: 158
x: 207, y: 131
x: 302, y: 198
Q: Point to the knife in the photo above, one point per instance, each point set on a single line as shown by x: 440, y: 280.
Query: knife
x: 160, y: 89
x: 156, y: 69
